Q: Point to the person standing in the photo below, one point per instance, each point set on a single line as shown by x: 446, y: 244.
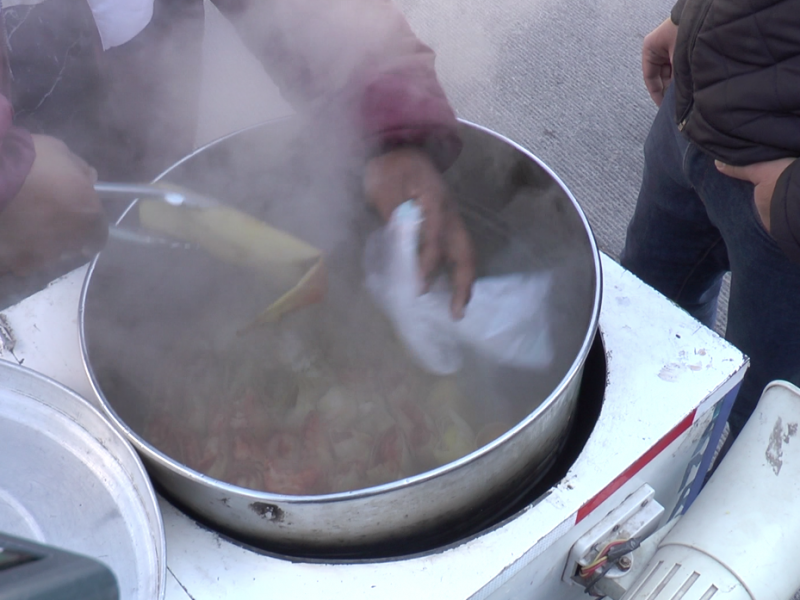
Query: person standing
x: 720, y: 187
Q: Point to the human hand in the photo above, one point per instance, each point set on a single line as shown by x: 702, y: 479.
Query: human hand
x: 763, y: 176
x: 657, y: 50
x: 406, y: 173
x: 56, y: 211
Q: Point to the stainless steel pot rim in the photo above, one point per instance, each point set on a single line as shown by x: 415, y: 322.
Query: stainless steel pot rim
x: 153, y: 453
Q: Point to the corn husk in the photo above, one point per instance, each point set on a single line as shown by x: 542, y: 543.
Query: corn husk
x: 309, y: 290
x: 237, y: 238
x: 229, y: 234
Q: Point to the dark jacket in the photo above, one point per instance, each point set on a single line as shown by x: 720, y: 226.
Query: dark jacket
x: 737, y: 86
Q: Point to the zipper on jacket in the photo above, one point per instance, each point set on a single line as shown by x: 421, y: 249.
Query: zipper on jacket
x: 686, y: 114
x: 696, y: 25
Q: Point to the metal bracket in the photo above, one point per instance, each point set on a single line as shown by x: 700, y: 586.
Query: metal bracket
x: 636, y: 518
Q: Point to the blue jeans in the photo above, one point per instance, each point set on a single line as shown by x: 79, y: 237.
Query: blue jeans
x: 690, y: 226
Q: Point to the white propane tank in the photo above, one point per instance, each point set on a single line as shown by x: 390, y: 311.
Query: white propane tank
x: 741, y: 538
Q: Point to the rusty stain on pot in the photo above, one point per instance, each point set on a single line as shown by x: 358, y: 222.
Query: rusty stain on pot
x: 774, y: 452
x: 267, y: 511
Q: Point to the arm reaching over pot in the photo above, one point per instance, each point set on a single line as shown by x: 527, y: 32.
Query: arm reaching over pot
x: 357, y: 67
x: 50, y: 206
x: 126, y: 99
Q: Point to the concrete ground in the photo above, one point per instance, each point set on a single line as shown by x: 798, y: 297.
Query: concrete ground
x: 562, y: 78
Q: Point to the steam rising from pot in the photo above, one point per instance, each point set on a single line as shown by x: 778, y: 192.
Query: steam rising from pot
x: 308, y: 185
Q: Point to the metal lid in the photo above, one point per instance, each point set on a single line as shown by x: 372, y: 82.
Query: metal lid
x: 68, y: 479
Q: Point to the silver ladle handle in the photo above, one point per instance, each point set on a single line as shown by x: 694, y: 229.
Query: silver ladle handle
x: 170, y: 193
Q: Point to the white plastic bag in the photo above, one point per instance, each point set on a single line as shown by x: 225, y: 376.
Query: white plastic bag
x: 506, y: 321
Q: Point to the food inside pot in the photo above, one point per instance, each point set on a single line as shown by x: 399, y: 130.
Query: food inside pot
x: 280, y: 414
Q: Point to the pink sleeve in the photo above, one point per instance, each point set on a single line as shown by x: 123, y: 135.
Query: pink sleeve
x: 359, y: 53
x: 16, y: 154
x: 406, y: 104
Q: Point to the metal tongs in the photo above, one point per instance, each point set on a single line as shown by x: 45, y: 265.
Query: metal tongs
x: 191, y: 220
x: 170, y: 193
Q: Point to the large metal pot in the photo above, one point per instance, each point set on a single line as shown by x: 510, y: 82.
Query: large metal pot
x: 136, y: 301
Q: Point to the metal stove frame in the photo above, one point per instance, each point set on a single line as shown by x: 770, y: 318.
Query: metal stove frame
x: 670, y: 384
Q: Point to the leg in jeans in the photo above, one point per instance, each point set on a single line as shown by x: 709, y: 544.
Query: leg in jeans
x: 764, y: 308
x: 691, y: 223
x: 671, y: 244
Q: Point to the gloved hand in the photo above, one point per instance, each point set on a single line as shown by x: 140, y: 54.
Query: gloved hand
x: 408, y: 173
x: 56, y: 212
